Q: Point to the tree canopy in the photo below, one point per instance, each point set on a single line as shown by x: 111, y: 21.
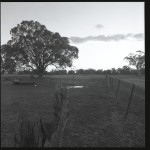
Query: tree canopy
x: 32, y: 45
x: 8, y: 62
x: 137, y: 60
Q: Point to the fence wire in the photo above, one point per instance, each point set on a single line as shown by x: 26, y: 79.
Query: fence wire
x: 131, y: 96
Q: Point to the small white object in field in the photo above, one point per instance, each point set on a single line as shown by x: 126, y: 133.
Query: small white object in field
x: 69, y: 87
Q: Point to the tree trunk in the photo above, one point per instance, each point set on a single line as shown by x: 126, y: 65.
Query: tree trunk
x: 40, y: 74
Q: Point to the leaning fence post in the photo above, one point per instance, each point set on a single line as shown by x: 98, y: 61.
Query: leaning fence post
x: 129, y: 101
x: 62, y: 117
x: 117, y: 89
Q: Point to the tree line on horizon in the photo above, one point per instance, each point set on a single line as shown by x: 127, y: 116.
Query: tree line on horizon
x: 33, y: 48
x: 125, y: 70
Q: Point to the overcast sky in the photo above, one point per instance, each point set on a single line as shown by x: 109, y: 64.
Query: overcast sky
x: 104, y: 32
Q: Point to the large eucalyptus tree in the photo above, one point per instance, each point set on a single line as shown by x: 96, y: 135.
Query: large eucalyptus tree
x: 34, y: 46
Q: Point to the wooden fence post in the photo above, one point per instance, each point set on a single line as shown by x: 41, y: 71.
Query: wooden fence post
x: 117, y: 89
x: 56, y: 139
x: 129, y: 101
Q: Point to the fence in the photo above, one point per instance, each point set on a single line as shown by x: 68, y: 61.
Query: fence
x: 44, y: 134
x: 131, y: 95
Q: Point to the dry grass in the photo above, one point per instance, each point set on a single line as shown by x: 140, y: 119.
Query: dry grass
x: 133, y: 79
x: 35, y: 133
x: 96, y: 117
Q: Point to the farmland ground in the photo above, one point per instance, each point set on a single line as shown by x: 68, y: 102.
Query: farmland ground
x: 96, y: 117
x: 140, y: 81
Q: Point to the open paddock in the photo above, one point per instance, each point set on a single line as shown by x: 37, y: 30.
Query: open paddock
x: 139, y: 81
x: 96, y: 117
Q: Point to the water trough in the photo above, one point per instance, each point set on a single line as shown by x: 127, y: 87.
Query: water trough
x: 75, y: 86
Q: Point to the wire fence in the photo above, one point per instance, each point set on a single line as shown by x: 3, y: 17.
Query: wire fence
x: 130, y: 95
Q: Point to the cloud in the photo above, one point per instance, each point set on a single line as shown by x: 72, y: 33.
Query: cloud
x: 139, y: 36
x: 107, y: 38
x: 99, y: 26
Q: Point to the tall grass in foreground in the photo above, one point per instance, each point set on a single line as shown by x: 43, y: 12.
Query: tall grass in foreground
x: 44, y: 134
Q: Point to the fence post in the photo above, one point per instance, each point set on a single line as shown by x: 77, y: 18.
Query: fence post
x: 129, y: 102
x: 117, y: 89
x: 61, y: 115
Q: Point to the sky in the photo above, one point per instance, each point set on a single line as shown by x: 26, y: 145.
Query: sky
x: 104, y: 32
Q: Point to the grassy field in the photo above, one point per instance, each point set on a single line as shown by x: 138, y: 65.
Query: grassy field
x: 140, y: 81
x: 96, y: 117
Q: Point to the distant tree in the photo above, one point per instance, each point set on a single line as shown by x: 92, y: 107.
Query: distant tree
x: 99, y: 71
x: 80, y: 71
x: 126, y: 70
x: 71, y: 72
x: 133, y: 71
x: 34, y: 46
x: 61, y: 72
x: 90, y: 71
x: 113, y: 71
x: 108, y: 71
x: 119, y: 70
x: 86, y: 71
x: 137, y: 60
x: 58, y: 72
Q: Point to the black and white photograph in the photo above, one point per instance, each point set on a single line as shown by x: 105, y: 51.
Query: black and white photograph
x: 73, y: 74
